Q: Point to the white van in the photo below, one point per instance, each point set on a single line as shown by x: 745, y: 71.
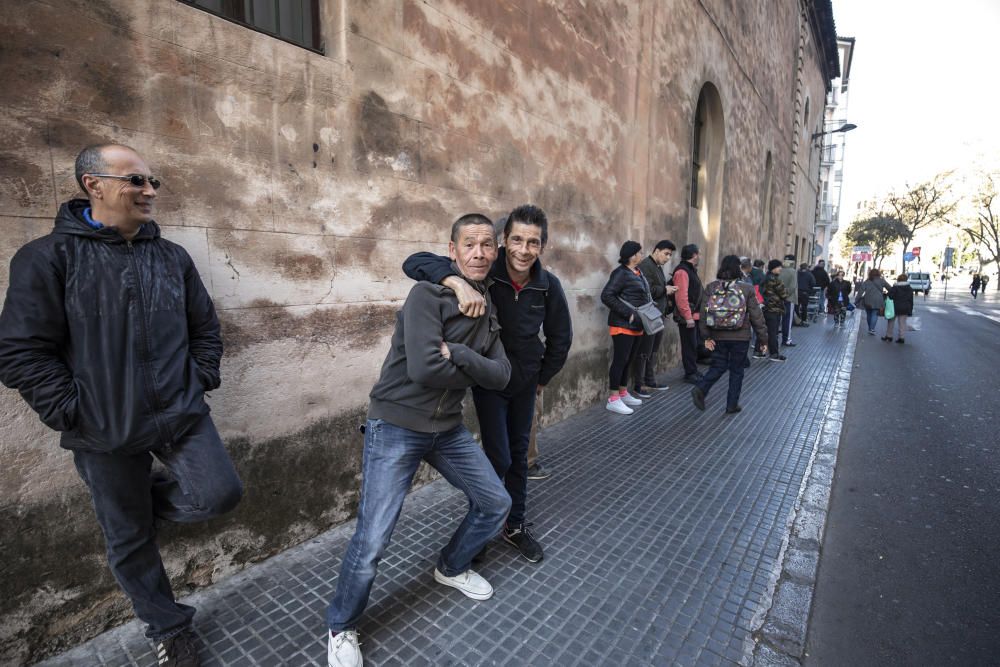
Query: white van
x: 920, y: 282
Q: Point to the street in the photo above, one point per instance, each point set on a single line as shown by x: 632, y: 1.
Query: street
x: 908, y: 572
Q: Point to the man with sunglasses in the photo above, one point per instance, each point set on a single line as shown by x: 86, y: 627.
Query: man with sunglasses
x: 110, y: 336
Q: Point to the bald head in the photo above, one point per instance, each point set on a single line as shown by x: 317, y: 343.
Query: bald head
x: 102, y: 171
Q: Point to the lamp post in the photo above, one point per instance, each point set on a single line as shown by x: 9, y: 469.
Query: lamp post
x: 846, y: 127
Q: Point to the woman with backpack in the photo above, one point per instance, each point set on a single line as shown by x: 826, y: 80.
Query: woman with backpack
x: 730, y: 309
x: 902, y: 298
x: 871, y: 295
x: 624, y: 292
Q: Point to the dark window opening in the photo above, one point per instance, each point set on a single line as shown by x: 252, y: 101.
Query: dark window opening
x: 294, y: 21
x: 699, y: 130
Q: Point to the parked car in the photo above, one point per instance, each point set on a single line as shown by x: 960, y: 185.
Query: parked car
x: 920, y: 282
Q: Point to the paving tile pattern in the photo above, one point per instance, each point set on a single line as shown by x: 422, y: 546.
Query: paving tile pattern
x: 662, y: 533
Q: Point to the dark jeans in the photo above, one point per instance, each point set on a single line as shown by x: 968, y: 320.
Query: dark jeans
x: 202, y: 484
x: 786, y: 323
x: 505, y: 422
x: 644, y: 372
x: 729, y: 355
x: 872, y: 316
x: 804, y: 306
x: 773, y: 321
x: 689, y: 348
x: 625, y: 349
x: 391, y: 458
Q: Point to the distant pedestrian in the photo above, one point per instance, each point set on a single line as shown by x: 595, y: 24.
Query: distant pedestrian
x: 687, y: 309
x: 984, y: 278
x: 789, y: 278
x: 624, y: 292
x: 838, y: 295
x: 730, y: 310
x: 822, y: 282
x: 902, y: 300
x: 807, y: 282
x: 757, y: 273
x: 644, y: 373
x: 746, y: 277
x: 977, y: 282
x: 871, y: 295
x: 774, y: 293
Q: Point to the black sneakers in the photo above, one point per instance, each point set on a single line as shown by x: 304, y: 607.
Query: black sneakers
x: 637, y: 391
x: 523, y: 541
x: 178, y: 651
x: 699, y: 398
x: 536, y: 471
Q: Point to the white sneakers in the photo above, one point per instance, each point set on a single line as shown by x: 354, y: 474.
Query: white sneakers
x: 470, y: 583
x: 344, y: 650
x: 630, y: 399
x: 619, y: 407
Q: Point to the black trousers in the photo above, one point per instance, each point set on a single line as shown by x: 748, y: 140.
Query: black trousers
x: 804, y: 306
x: 505, y: 424
x: 625, y: 350
x: 773, y: 321
x: 689, y: 347
x: 644, y: 370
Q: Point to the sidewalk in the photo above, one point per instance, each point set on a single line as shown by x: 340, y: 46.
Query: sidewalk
x: 663, y: 534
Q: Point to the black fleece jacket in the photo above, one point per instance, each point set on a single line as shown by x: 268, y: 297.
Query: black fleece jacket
x: 112, y: 342
x: 623, y: 283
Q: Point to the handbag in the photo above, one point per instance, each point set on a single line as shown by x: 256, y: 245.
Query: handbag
x: 890, y: 309
x: 649, y: 313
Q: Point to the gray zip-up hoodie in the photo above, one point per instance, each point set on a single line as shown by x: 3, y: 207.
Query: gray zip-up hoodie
x: 419, y: 388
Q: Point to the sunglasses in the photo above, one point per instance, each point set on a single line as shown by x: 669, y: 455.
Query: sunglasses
x: 138, y: 180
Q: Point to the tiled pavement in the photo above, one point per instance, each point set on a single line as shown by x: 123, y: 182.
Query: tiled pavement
x: 662, y: 534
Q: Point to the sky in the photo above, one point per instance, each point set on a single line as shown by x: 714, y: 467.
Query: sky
x: 924, y: 91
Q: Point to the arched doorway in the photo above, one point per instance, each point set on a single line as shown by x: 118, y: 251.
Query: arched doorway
x: 708, y: 146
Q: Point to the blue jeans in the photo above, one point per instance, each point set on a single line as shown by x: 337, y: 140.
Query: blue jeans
x: 872, y: 314
x: 728, y: 355
x: 391, y: 457
x: 505, y: 422
x: 202, y: 483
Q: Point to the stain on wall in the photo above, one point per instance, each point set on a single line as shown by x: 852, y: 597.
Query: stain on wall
x: 300, y: 181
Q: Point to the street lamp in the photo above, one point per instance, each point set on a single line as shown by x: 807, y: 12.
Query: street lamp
x: 846, y: 127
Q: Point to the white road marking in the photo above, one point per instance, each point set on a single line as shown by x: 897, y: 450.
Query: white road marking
x: 935, y: 309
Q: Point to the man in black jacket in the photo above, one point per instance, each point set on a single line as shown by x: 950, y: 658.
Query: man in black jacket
x: 806, y: 282
x: 110, y: 336
x: 644, y: 373
x: 822, y: 281
x: 528, y: 299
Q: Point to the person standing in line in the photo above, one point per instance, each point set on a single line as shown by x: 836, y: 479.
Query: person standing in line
x: 688, y: 300
x: 789, y: 278
x: 806, y: 281
x: 110, y: 336
x: 838, y: 295
x: 730, y: 310
x: 528, y: 300
x: 822, y: 281
x: 977, y: 282
x: 414, y: 415
x: 871, y: 295
x: 775, y: 300
x: 625, y: 291
x: 644, y: 374
x: 757, y: 273
x: 902, y: 298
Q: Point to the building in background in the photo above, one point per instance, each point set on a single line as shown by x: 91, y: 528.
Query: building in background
x: 831, y: 174
x: 307, y: 147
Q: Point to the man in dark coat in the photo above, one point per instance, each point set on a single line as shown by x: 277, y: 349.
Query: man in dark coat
x: 822, y: 281
x: 806, y: 282
x: 651, y: 267
x: 110, y: 336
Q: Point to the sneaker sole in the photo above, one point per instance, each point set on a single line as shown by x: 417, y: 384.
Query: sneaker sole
x: 522, y: 553
x: 469, y: 594
x: 537, y: 477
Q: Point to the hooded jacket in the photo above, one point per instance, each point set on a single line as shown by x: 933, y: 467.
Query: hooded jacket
x: 539, y: 306
x: 111, y: 342
x: 419, y: 388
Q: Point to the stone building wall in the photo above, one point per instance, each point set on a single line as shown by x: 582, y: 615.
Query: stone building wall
x: 299, y: 182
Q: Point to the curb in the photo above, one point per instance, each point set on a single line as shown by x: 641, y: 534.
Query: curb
x: 778, y: 635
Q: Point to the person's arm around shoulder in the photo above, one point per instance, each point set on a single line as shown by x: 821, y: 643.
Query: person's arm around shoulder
x: 204, y: 333
x: 33, y: 331
x: 558, y: 330
x: 438, y: 270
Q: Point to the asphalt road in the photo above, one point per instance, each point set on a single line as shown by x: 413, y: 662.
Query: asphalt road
x: 909, y: 572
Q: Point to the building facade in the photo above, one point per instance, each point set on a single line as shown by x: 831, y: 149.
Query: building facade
x: 832, y: 154
x: 308, y: 148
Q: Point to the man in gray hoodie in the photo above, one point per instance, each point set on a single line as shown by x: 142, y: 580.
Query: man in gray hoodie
x: 415, y: 414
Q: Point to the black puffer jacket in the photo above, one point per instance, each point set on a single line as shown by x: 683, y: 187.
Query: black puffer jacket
x: 902, y: 298
x: 111, y: 342
x: 623, y: 283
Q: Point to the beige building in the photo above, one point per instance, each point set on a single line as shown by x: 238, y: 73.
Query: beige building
x: 302, y: 161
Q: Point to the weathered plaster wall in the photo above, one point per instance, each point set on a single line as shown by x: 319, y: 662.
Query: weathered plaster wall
x: 300, y: 181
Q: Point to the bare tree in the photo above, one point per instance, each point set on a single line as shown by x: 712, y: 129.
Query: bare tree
x: 921, y: 206
x: 878, y: 231
x: 984, y: 229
